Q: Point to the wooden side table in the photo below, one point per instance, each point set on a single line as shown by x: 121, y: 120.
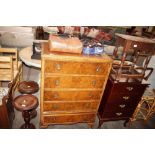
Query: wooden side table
x: 138, y: 44
x: 28, y: 87
x: 26, y: 103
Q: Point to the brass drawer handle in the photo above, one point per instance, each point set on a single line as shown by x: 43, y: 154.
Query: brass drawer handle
x: 55, y: 106
x: 90, y: 95
x: 118, y: 113
x: 53, y: 118
x: 129, y: 88
x: 122, y: 105
x: 87, y: 105
x: 94, y: 82
x: 98, y: 69
x: 135, y: 45
x: 55, y: 95
x: 58, y: 66
x: 57, y: 82
x: 126, y: 97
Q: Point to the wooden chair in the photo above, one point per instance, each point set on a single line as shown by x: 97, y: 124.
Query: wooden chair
x: 7, y: 72
x: 6, y: 68
x: 145, y: 108
x: 137, y: 68
x: 6, y: 107
x: 17, y: 65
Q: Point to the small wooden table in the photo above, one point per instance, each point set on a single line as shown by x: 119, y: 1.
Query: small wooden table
x: 28, y: 87
x: 132, y: 42
x: 25, y: 55
x: 26, y: 103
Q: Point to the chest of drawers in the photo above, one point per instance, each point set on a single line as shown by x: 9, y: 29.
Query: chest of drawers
x: 71, y: 87
x: 120, y: 100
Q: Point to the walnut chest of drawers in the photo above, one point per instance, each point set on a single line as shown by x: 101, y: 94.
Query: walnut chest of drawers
x: 120, y: 100
x: 71, y: 87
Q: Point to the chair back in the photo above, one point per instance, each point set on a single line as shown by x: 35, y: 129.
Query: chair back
x: 6, y: 68
x: 10, y: 51
x: 143, y: 66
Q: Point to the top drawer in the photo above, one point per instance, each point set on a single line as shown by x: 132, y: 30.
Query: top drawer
x: 76, y: 67
x: 130, y: 88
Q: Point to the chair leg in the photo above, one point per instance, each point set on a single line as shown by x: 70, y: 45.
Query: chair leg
x: 29, y: 73
x: 21, y: 74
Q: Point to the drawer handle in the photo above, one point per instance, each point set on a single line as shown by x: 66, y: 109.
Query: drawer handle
x: 122, y: 105
x: 135, y: 45
x: 87, y: 105
x: 90, y: 95
x: 55, y: 106
x: 94, y: 82
x: 55, y: 96
x: 129, y: 88
x: 98, y: 69
x: 118, y: 113
x: 53, y: 118
x: 58, y: 66
x: 57, y: 82
x: 126, y: 97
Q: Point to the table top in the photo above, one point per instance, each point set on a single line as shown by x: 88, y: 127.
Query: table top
x: 25, y: 55
x: 25, y: 102
x: 135, y: 38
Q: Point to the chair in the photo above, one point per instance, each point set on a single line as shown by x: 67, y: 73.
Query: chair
x: 136, y: 68
x: 6, y: 68
x: 17, y: 65
x: 6, y: 108
x: 142, y: 67
x: 145, y: 108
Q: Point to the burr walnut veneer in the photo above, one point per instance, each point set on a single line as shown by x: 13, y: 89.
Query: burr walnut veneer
x: 72, y: 86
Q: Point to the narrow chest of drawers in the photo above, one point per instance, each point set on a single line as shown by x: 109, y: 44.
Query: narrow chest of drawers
x: 71, y: 87
x: 120, y: 100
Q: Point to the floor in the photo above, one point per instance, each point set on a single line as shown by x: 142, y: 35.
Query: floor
x: 34, y: 75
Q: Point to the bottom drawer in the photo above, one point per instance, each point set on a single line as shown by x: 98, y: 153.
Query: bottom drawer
x: 117, y: 113
x: 71, y: 118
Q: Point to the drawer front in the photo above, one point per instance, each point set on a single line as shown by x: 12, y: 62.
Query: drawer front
x: 142, y: 46
x: 73, y: 82
x: 71, y: 118
x: 71, y: 95
x: 76, y: 67
x: 125, y: 107
x: 114, y: 113
x: 128, y: 89
x: 86, y: 106
x: 123, y: 99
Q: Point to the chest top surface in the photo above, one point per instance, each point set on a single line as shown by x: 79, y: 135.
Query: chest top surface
x: 73, y: 57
